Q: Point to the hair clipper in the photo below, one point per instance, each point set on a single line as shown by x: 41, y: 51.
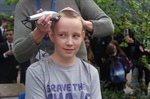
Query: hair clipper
x: 35, y: 17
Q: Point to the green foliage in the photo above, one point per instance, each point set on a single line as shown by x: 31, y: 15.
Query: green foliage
x: 137, y: 11
x: 9, y: 2
x: 138, y: 92
x: 109, y: 94
x: 146, y: 62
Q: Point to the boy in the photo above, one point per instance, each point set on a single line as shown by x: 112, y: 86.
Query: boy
x: 4, y: 25
x: 62, y: 75
x: 8, y: 63
x: 114, y: 65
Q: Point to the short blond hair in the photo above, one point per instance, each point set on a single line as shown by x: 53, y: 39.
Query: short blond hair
x: 68, y: 14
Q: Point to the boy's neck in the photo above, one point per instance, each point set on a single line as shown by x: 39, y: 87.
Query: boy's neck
x: 63, y: 62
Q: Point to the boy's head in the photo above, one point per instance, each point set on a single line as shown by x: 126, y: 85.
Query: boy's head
x: 67, y: 14
x: 111, y: 49
x: 9, y: 35
x: 67, y: 33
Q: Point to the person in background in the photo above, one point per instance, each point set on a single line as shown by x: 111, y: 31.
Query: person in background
x: 119, y: 50
x: 126, y: 35
x: 62, y: 75
x: 8, y: 64
x: 98, y: 46
x: 4, y: 25
x: 90, y: 55
x: 105, y: 75
x: 30, y: 43
x: 137, y: 62
x: 23, y: 69
x: 120, y: 53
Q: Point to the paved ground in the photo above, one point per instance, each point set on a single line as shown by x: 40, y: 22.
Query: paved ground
x: 18, y: 81
x: 128, y: 89
x: 10, y: 98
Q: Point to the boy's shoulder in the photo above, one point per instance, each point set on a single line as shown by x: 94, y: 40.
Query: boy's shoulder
x: 35, y: 66
x: 87, y: 65
x: 39, y: 64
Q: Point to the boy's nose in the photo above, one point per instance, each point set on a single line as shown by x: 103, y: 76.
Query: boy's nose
x: 69, y: 41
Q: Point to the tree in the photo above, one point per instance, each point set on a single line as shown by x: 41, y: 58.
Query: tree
x: 136, y: 11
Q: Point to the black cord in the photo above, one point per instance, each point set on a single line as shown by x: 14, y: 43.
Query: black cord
x: 24, y: 22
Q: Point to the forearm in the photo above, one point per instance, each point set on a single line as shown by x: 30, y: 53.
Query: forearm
x: 24, y: 48
x: 100, y: 28
x: 103, y: 28
x: 37, y: 36
x: 102, y: 24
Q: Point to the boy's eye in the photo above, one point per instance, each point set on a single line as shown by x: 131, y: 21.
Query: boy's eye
x: 76, y: 36
x: 62, y: 35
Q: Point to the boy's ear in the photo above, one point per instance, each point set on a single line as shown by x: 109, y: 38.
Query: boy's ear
x: 83, y: 34
x: 51, y: 35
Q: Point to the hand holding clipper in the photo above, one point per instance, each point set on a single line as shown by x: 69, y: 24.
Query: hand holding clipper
x: 35, y: 17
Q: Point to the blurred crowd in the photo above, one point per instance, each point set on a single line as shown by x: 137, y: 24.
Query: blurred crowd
x: 101, y: 49
x: 9, y: 66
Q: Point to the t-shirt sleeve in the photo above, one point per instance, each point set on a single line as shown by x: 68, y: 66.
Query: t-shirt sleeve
x: 34, y: 86
x: 95, y: 86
